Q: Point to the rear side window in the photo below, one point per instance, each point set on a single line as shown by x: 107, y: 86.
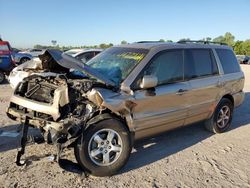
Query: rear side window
x: 199, y: 63
x: 228, y: 61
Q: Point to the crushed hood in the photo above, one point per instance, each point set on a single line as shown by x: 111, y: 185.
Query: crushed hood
x: 56, y: 60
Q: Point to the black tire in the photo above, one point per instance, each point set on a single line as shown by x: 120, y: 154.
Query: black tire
x: 24, y: 59
x: 212, y: 123
x: 83, y: 144
x: 2, y: 77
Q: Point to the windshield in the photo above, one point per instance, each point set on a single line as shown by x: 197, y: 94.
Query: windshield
x: 116, y: 63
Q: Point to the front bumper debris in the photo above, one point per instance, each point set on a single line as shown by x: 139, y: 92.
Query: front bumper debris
x: 24, y: 139
x: 36, y: 122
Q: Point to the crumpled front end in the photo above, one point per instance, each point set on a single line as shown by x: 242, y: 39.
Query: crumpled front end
x: 53, y: 105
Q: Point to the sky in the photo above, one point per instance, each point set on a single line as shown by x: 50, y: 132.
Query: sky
x: 25, y: 23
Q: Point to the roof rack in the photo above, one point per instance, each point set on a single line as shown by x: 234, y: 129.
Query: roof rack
x: 148, y: 42
x: 201, y: 41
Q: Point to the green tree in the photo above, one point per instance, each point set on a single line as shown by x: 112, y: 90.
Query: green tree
x: 124, y: 42
x: 104, y: 46
x: 161, y: 40
x: 208, y: 38
x: 219, y: 39
x: 246, y: 47
x: 228, y: 38
x: 238, y: 48
x: 184, y: 39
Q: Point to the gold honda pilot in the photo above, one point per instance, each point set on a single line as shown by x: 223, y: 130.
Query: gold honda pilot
x: 126, y: 93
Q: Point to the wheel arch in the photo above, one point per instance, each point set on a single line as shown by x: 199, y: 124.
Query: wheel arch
x: 229, y: 97
x: 105, y: 116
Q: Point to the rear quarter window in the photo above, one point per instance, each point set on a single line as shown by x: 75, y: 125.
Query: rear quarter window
x: 228, y: 61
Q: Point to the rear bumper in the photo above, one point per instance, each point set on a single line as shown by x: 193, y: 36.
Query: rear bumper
x: 238, y: 98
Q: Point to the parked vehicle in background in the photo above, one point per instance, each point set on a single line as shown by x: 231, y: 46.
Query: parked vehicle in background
x: 23, y: 70
x: 20, y: 58
x: 130, y: 92
x: 243, y: 59
x: 34, y: 52
x: 33, y: 67
x: 73, y: 51
x: 6, y: 60
x: 87, y: 54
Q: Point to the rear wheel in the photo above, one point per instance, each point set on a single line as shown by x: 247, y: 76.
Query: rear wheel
x: 2, y: 77
x: 222, y: 117
x: 104, y: 148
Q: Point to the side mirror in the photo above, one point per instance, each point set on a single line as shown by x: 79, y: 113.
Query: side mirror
x: 148, y: 81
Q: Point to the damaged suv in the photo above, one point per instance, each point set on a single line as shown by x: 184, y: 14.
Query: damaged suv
x: 126, y: 93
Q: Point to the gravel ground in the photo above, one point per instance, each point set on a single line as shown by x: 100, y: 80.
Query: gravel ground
x: 187, y: 157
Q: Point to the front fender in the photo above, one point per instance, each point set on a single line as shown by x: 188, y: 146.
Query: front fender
x: 105, y: 116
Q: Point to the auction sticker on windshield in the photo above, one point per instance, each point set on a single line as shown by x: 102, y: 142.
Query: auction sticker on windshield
x: 132, y: 55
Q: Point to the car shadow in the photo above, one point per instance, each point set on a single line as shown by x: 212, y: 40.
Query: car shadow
x: 241, y: 114
x: 156, y: 148
x: 5, y: 82
x: 10, y: 137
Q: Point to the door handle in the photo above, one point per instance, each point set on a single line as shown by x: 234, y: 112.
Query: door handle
x: 181, y: 91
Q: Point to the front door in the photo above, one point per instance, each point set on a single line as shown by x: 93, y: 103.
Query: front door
x: 165, y: 106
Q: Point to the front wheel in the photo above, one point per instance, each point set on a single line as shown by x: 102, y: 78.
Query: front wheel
x: 104, y: 148
x: 222, y: 117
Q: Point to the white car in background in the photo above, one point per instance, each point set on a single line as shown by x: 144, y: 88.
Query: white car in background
x: 86, y: 54
x: 73, y: 51
x: 34, y: 66
x: 34, y: 52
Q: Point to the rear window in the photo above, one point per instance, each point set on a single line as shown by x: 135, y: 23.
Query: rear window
x: 228, y: 61
x: 199, y: 63
x: 4, y: 47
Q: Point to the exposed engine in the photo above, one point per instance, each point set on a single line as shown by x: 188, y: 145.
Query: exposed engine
x: 69, y: 108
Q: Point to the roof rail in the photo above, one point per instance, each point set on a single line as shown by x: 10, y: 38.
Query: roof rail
x: 147, y: 41
x: 201, y: 41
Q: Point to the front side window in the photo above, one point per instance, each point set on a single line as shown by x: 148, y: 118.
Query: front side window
x: 167, y: 67
x: 228, y: 61
x: 199, y: 63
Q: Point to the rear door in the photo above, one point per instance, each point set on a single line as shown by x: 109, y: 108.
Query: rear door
x: 165, y: 106
x: 202, y: 72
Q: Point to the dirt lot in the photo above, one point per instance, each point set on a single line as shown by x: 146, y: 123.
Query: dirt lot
x: 187, y: 157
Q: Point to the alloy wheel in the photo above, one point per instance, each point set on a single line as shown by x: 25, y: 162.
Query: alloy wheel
x: 105, y: 147
x: 223, y: 117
